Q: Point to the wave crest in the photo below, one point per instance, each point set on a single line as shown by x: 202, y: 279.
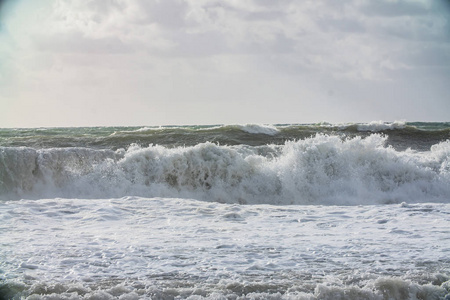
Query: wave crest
x: 320, y: 170
x: 259, y: 129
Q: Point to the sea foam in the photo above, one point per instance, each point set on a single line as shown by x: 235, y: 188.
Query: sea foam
x: 319, y: 170
x: 259, y: 129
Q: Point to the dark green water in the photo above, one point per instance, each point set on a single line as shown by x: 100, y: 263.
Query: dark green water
x: 417, y: 135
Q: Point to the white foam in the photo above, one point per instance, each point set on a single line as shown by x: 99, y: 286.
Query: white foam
x: 169, y: 248
x: 319, y: 170
x: 376, y: 126
x: 259, y: 129
x: 383, y: 288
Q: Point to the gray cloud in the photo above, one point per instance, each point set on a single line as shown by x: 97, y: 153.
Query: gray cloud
x: 269, y: 15
x: 76, y: 42
x: 396, y: 8
x: 168, y: 13
x: 345, y: 25
x: 170, y: 53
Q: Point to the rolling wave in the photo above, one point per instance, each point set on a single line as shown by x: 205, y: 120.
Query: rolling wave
x: 401, y: 135
x: 323, y: 169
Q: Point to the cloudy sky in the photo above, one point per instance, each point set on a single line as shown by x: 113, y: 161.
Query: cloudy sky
x: 159, y: 62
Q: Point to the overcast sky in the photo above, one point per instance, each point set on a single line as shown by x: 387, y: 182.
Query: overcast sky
x: 160, y: 62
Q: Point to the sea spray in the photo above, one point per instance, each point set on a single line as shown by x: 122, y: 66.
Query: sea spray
x: 322, y: 169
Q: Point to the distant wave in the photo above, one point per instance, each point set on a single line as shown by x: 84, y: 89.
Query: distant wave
x: 259, y: 129
x: 322, y: 169
x: 401, y: 135
x: 374, y: 126
x: 249, y: 128
x: 380, y: 126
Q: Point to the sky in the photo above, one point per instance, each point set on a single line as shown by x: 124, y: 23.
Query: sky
x: 183, y: 62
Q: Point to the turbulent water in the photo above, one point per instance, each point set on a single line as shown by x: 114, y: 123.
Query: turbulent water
x: 302, y: 211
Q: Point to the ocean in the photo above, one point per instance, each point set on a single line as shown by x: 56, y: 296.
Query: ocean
x: 283, y: 211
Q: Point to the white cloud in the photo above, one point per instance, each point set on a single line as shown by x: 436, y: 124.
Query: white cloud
x: 164, y: 56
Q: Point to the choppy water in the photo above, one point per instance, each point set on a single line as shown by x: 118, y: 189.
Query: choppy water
x: 319, y: 211
x: 401, y: 135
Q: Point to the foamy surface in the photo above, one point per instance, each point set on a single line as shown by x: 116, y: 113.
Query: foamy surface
x: 163, y: 248
x: 313, y: 211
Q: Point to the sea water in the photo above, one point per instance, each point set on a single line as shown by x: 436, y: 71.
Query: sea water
x: 303, y: 211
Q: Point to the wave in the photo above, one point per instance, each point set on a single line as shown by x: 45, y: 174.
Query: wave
x: 319, y: 170
x: 382, y: 287
x: 374, y: 126
x: 377, y: 126
x: 401, y: 135
x: 270, y: 129
x: 248, y: 128
x: 259, y: 129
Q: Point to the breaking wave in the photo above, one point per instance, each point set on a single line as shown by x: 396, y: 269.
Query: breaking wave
x: 322, y: 169
x: 259, y: 129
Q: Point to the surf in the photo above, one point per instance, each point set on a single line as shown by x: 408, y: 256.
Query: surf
x: 323, y: 169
